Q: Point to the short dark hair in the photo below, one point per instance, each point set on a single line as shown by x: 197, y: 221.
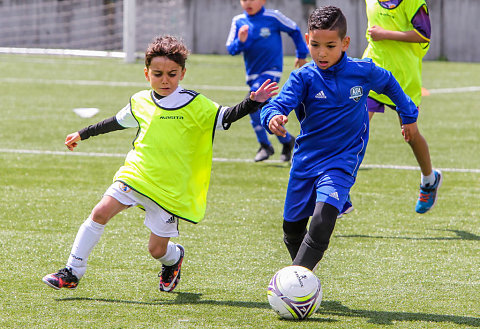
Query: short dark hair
x: 167, y: 46
x: 328, y: 18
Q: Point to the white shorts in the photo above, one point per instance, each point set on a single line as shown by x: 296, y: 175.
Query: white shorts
x: 159, y: 221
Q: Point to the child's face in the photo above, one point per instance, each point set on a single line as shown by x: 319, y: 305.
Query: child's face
x: 326, y: 47
x: 164, y: 75
x: 252, y: 6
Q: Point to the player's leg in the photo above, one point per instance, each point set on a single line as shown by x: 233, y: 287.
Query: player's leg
x: 299, y: 206
x: 266, y: 149
x: 288, y: 143
x: 171, y: 256
x: 163, y: 227
x: 332, y: 189
x: 293, y: 234
x: 420, y: 149
x: 431, y: 179
x: 86, y: 239
x: 317, y: 238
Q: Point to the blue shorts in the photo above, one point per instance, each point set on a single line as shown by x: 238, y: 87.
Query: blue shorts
x: 257, y: 82
x: 331, y: 187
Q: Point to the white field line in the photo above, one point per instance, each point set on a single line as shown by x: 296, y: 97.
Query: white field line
x: 467, y: 89
x: 470, y: 89
x: 122, y: 155
x: 63, y: 52
x: 113, y: 84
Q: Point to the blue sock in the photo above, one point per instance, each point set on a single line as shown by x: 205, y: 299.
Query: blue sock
x: 285, y: 140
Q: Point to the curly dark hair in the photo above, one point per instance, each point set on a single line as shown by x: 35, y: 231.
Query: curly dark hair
x: 328, y: 18
x: 167, y: 46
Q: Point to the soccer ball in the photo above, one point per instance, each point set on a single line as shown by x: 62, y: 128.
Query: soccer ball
x: 294, y: 292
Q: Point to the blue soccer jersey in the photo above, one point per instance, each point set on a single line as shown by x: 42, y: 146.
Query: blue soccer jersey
x: 263, y: 51
x: 331, y: 108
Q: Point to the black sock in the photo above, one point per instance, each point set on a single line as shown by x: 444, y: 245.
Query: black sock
x: 317, y: 239
x: 293, y: 234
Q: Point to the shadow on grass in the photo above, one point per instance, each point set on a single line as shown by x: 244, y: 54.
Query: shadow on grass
x: 327, y: 308
x: 389, y: 318
x: 186, y: 298
x: 461, y: 235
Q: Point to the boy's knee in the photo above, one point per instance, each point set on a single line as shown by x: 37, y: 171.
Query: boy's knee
x: 294, y: 231
x: 99, y: 215
x: 157, y: 251
x: 317, y: 243
x: 416, y: 138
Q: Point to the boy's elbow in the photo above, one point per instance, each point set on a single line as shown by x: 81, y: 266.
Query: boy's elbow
x: 232, y: 51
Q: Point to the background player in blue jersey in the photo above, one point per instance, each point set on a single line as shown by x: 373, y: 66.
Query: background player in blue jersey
x: 256, y: 33
x: 329, y: 96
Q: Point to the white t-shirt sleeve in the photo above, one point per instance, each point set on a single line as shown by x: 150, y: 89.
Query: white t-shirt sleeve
x: 221, y: 113
x: 125, y: 117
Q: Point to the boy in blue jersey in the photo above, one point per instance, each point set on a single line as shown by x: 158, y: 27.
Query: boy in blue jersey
x: 257, y: 33
x: 329, y: 97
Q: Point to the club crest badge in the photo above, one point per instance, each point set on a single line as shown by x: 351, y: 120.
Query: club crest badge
x: 125, y: 188
x: 356, y: 93
x: 265, y: 32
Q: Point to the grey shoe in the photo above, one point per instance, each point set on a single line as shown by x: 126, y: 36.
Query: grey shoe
x: 287, y: 150
x: 264, y: 152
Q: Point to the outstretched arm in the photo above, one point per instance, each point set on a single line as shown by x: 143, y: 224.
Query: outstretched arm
x: 102, y: 127
x: 250, y: 104
x: 71, y: 140
x: 266, y: 91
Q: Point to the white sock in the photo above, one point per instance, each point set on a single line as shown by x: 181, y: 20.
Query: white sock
x: 87, y: 237
x: 428, y: 180
x: 171, y: 256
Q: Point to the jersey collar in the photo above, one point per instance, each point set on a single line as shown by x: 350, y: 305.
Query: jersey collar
x: 337, y: 67
x: 176, y: 100
x: 260, y: 12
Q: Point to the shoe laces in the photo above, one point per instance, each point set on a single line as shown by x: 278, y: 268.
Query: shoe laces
x: 424, y: 196
x: 65, y: 273
x: 167, y: 272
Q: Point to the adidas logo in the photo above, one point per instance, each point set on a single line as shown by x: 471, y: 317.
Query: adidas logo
x: 170, y: 220
x: 334, y: 195
x: 321, y: 94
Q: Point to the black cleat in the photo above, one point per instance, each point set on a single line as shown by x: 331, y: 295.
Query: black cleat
x: 64, y: 278
x: 170, y: 275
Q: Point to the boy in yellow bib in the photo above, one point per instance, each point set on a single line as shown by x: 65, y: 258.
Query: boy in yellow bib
x: 167, y: 172
x: 398, y: 37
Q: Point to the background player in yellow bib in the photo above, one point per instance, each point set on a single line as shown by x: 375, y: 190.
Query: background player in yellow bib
x: 167, y: 172
x: 398, y: 37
